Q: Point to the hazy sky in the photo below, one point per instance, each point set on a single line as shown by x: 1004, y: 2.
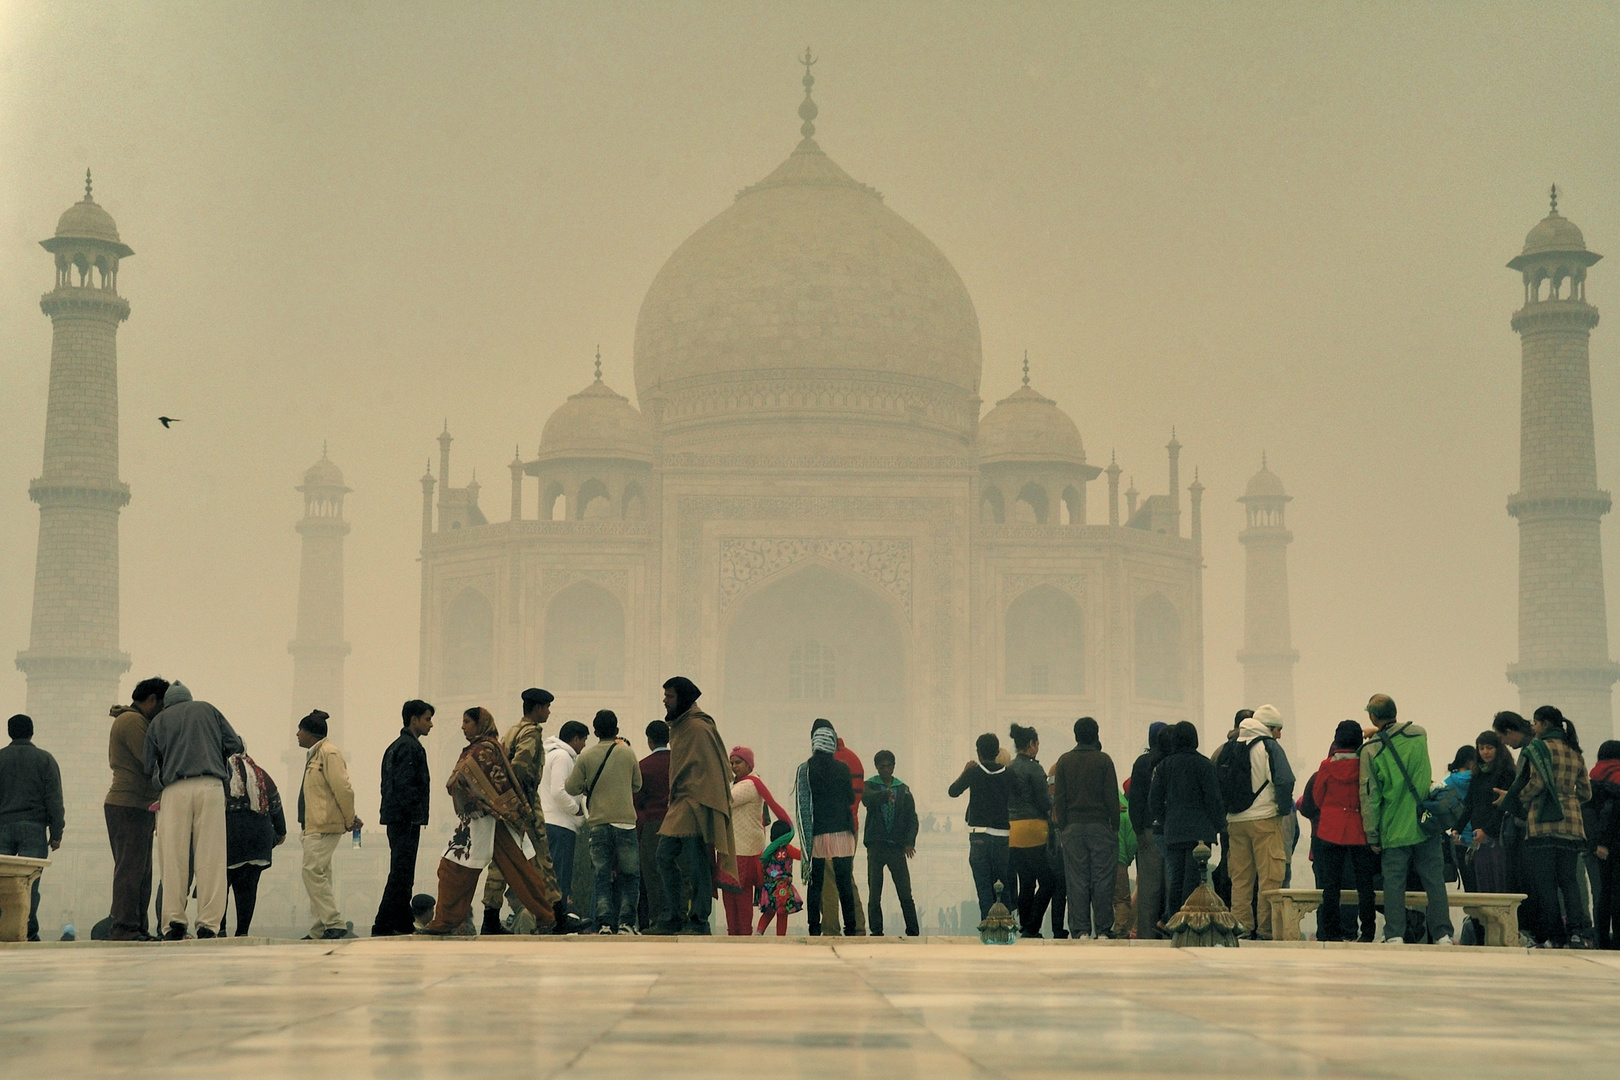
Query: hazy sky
x: 1277, y: 227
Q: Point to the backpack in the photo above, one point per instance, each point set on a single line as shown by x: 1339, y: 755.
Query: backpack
x: 1442, y: 811
x: 1236, y: 776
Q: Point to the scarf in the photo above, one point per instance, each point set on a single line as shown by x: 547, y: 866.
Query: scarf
x: 823, y: 740
x: 249, y: 787
x: 1540, y: 759
x: 481, y: 782
x: 686, y: 693
x: 1607, y: 770
x: 894, y: 784
x: 776, y: 845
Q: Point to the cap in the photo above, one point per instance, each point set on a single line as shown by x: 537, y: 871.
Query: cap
x: 536, y: 696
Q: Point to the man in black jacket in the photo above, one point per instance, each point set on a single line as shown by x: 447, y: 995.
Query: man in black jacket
x: 404, y: 810
x: 30, y: 804
x: 1150, y: 866
x: 891, y: 839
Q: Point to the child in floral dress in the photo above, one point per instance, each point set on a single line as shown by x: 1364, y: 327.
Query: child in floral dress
x: 778, y: 898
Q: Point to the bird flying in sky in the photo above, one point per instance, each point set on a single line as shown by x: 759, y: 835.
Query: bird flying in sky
x: 167, y: 420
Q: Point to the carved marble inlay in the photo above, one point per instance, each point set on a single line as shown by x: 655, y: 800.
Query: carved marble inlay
x: 1073, y: 584
x: 553, y: 582
x: 884, y: 562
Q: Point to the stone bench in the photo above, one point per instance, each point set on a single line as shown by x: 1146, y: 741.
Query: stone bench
x: 17, y: 874
x: 1498, y: 912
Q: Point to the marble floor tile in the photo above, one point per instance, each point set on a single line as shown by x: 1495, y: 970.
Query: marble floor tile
x: 939, y: 1009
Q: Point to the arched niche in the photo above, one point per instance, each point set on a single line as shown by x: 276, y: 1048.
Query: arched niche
x: 635, y: 502
x: 593, y: 502
x: 1159, y: 662
x: 585, y: 639
x: 469, y: 644
x: 1030, y: 507
x: 992, y: 508
x: 815, y: 643
x: 1046, y: 644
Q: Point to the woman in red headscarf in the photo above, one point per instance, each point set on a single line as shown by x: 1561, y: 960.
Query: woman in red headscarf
x: 495, y: 824
x: 751, y: 808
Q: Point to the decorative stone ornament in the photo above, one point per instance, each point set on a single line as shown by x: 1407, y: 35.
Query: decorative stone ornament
x: 1203, y: 921
x: 998, y: 927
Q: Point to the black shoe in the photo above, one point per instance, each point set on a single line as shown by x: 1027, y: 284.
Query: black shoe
x: 1060, y: 935
x: 334, y: 934
x: 492, y: 923
x: 175, y: 932
x: 696, y: 928
x: 203, y: 933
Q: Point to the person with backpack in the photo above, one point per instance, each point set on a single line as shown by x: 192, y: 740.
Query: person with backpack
x: 1395, y: 780
x: 1340, y: 836
x: 1257, y: 789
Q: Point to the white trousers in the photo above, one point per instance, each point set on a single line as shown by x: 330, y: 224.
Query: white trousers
x: 323, y: 909
x: 191, y: 837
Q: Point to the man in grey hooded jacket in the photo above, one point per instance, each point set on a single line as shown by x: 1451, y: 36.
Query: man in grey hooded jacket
x: 187, y: 746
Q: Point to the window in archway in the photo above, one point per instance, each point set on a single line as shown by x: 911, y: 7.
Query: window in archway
x: 469, y: 645
x: 1159, y: 661
x: 1046, y: 644
x: 812, y: 673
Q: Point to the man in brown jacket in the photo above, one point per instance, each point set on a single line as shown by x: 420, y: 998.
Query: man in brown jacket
x: 1085, y: 808
x: 326, y: 812
x: 128, y: 808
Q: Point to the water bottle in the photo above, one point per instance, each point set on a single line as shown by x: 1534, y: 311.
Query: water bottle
x: 355, y: 837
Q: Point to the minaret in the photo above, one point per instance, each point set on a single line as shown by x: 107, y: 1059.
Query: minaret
x: 1113, y: 489
x: 1195, y: 492
x: 1268, y: 655
x: 73, y: 661
x: 1563, y: 620
x: 1173, y: 448
x: 319, y: 649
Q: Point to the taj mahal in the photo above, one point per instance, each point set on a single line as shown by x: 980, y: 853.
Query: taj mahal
x: 805, y: 512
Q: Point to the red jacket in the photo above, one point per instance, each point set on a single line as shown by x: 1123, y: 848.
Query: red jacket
x: 857, y: 778
x: 1338, y: 793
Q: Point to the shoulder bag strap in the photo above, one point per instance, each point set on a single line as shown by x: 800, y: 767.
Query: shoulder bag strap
x: 592, y: 785
x: 1389, y: 745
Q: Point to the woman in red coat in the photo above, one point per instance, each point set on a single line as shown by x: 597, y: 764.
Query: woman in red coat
x: 1337, y: 792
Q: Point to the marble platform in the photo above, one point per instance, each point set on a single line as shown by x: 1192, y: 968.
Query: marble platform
x: 665, y: 1008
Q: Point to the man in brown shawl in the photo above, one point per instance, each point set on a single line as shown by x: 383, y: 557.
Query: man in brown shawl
x: 496, y: 824
x: 696, y: 834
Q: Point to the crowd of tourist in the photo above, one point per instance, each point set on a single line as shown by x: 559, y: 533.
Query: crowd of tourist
x: 192, y: 818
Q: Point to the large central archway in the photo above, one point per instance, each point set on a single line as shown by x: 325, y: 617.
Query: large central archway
x: 815, y: 643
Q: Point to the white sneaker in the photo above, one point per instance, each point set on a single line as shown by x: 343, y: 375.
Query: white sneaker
x: 605, y: 930
x: 1444, y: 939
x: 632, y: 931
x: 1394, y: 941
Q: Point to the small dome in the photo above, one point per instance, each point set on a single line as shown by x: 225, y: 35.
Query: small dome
x: 1264, y: 485
x: 323, y: 474
x: 597, y: 423
x: 1554, y: 233
x: 86, y: 220
x: 1027, y: 426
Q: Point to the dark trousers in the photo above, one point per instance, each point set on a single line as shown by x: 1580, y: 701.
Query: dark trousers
x: 562, y: 842
x: 1091, y: 863
x: 844, y: 877
x: 1606, y: 904
x: 394, y: 910
x: 1553, y: 867
x: 129, y: 831
x: 31, y: 840
x: 1180, y: 875
x: 244, y: 884
x: 881, y: 857
x: 1034, y: 883
x: 1060, y: 885
x: 683, y: 862
x: 1151, y: 893
x: 1423, y: 857
x: 652, y: 890
x: 1330, y: 860
x: 987, y: 858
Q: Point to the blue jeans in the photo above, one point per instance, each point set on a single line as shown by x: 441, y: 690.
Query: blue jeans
x: 31, y: 840
x: 561, y: 842
x: 1425, y: 857
x: 610, y: 846
x: 987, y: 858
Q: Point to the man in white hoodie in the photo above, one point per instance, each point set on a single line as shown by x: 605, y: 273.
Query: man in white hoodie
x: 564, y: 813
x: 1257, y: 786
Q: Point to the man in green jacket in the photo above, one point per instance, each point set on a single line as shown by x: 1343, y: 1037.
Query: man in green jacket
x: 1395, y: 776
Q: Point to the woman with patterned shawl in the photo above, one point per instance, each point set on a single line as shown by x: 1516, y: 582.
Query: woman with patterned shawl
x: 496, y: 824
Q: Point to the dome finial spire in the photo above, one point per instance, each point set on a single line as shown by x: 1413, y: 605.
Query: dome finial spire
x: 599, y: 363
x: 87, y: 197
x: 1026, y: 367
x: 1554, y: 198
x: 807, y: 108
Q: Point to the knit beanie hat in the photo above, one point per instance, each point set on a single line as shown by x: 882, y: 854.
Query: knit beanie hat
x: 1269, y: 716
x: 1347, y: 735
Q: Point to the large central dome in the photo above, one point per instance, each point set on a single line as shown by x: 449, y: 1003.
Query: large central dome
x: 804, y: 300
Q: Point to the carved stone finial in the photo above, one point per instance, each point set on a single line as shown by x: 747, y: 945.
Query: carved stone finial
x: 599, y: 363
x: 87, y: 197
x: 1554, y: 194
x: 1026, y: 367
x: 807, y: 108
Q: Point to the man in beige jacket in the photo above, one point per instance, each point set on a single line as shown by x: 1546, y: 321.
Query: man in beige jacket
x: 326, y: 812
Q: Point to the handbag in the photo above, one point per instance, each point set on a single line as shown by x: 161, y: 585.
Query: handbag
x: 1441, y: 811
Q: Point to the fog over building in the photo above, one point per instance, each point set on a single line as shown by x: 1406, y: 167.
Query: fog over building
x: 805, y: 513
x: 1268, y: 655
